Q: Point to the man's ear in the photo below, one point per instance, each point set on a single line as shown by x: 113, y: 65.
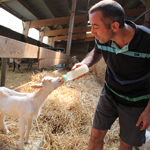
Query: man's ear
x: 115, y: 26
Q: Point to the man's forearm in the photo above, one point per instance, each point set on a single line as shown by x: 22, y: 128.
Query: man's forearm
x: 148, y: 106
x: 92, y: 58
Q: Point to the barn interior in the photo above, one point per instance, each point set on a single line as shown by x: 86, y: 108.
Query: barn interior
x: 65, y: 23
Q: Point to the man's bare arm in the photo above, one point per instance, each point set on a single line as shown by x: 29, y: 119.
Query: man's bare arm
x: 92, y: 58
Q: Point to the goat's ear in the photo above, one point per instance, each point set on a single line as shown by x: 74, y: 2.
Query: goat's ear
x: 37, y: 86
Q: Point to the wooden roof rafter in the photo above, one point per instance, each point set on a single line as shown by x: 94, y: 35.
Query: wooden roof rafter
x: 65, y: 31
x: 54, y: 21
x: 144, y: 2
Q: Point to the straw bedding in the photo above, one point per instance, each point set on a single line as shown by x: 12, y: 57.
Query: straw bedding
x: 66, y: 117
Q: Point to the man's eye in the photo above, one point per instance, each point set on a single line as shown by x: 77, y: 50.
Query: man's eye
x: 95, y: 27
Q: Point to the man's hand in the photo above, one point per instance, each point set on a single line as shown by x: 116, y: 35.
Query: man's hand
x: 144, y: 119
x: 76, y: 66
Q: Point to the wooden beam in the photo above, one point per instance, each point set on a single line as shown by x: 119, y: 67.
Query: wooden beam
x: 144, y: 2
x: 47, y: 53
x: 84, y: 40
x: 56, y: 21
x: 75, y: 36
x: 41, y: 36
x: 26, y: 26
x: 71, y: 24
x: 134, y: 12
x: 10, y: 48
x: 147, y: 15
x: 49, y: 58
x: 65, y: 31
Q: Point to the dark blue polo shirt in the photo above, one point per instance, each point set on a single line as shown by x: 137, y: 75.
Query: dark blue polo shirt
x: 128, y: 69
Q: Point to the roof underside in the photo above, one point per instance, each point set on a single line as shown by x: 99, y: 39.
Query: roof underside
x: 31, y: 10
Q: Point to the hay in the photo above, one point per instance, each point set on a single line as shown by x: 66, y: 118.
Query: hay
x: 66, y: 117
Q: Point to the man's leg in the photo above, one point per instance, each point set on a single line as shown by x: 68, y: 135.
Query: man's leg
x: 96, y: 140
x: 124, y: 146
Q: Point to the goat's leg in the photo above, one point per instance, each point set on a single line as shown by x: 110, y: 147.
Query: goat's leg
x: 14, y: 65
x: 21, y: 132
x: 18, y: 66
x: 2, y: 124
x: 28, y: 130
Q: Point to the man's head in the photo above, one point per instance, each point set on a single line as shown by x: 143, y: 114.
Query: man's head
x: 111, y: 12
x: 106, y: 18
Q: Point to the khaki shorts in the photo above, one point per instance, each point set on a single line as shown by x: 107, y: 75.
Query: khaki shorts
x: 108, y: 110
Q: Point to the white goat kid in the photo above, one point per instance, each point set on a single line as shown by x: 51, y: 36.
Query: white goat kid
x: 25, y: 106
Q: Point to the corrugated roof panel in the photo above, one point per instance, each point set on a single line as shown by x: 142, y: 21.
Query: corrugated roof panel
x: 19, y: 9
x: 39, y: 8
x: 59, y: 7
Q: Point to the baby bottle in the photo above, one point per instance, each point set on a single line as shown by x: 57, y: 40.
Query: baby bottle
x: 75, y: 73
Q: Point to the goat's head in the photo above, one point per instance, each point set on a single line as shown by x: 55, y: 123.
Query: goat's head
x: 49, y: 82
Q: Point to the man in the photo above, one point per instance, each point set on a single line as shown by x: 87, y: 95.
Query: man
x: 125, y: 48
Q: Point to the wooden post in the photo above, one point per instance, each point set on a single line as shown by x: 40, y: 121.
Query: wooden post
x: 147, y: 15
x: 3, y: 71
x: 71, y: 27
x: 26, y: 26
x: 51, y: 42
x: 41, y: 35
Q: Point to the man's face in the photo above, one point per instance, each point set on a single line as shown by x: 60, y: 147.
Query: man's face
x: 98, y: 28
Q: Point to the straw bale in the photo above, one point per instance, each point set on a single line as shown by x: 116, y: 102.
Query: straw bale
x: 66, y: 117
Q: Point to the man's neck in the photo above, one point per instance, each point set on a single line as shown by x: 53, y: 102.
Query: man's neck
x: 124, y: 35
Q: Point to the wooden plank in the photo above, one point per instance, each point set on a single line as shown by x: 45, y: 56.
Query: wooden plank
x: 144, y: 2
x: 17, y: 36
x: 76, y: 36
x: 45, y: 53
x: 51, y: 62
x: 10, y: 48
x: 84, y: 40
x: 56, y: 21
x: 65, y: 31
